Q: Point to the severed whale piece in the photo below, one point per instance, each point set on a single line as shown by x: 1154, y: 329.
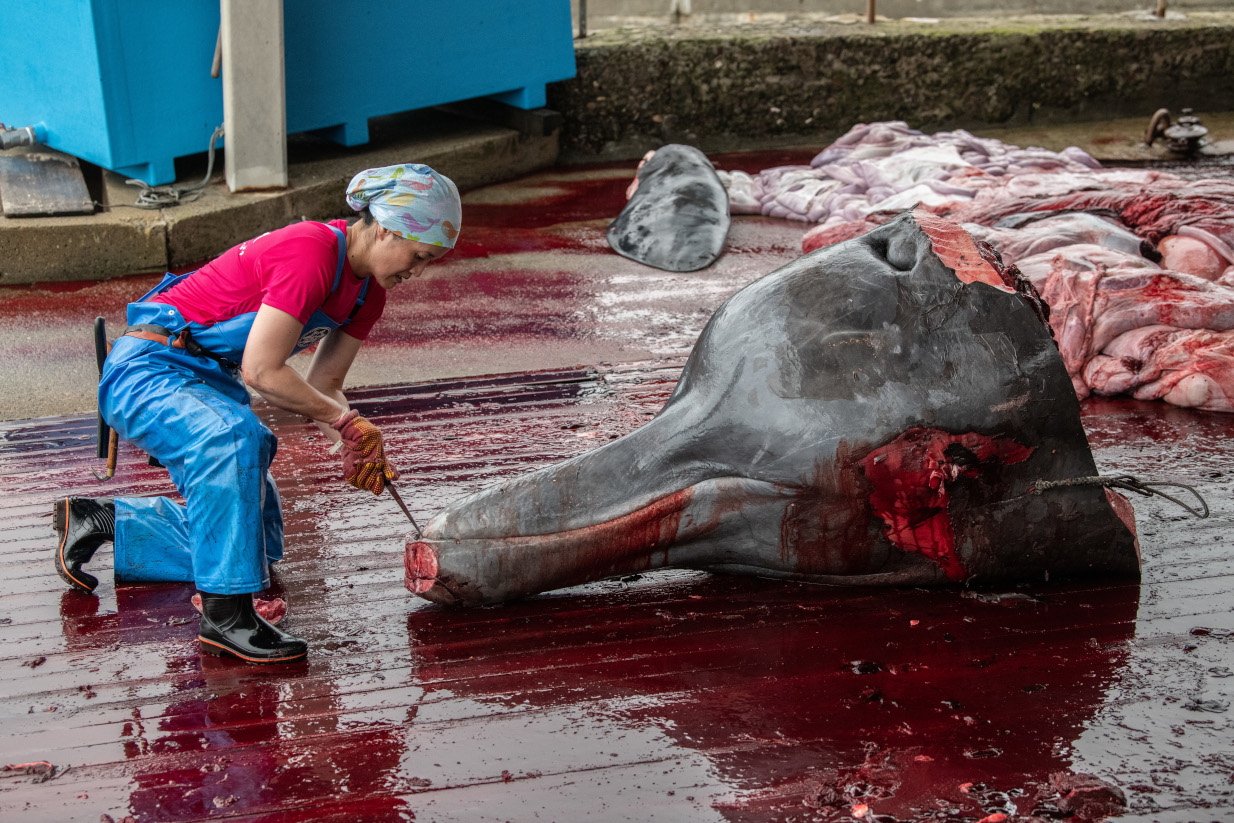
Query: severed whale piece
x: 677, y: 218
x: 874, y: 413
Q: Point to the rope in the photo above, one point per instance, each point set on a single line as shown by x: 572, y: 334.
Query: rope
x: 1128, y: 483
x: 157, y: 197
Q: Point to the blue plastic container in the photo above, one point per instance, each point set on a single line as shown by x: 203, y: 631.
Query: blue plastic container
x: 126, y: 84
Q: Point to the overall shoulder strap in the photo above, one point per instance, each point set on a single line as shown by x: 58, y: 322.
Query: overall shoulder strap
x: 342, y: 254
x: 338, y: 273
x: 359, y: 300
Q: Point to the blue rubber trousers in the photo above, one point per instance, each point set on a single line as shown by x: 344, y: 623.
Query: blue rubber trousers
x: 194, y: 417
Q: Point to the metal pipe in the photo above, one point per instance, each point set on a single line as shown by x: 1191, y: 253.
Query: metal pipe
x: 1157, y: 124
x: 24, y: 136
x: 870, y: 11
x: 582, y: 19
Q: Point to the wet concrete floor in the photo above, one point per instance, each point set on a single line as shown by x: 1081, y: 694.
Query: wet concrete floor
x: 532, y: 284
x: 667, y: 696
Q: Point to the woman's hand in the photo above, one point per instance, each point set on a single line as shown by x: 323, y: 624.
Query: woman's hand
x: 364, y: 456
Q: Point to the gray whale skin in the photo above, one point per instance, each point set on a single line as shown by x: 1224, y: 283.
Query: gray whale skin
x: 677, y: 219
x: 874, y: 413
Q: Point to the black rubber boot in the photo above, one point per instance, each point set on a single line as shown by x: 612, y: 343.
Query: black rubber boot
x: 82, y: 524
x: 230, y: 625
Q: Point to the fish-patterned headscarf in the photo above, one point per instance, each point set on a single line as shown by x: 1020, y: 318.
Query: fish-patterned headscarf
x: 411, y: 200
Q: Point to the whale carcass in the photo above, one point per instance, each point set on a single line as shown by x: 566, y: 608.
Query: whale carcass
x: 878, y: 412
x: 677, y: 215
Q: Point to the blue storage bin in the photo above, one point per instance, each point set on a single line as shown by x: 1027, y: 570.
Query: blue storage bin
x: 126, y: 84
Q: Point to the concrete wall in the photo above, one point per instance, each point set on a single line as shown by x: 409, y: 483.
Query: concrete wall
x: 804, y: 82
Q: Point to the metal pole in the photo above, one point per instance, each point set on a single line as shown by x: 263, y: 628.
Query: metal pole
x: 582, y: 18
x: 1161, y: 4
x: 870, y: 11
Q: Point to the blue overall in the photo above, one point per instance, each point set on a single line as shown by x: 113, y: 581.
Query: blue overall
x: 193, y: 415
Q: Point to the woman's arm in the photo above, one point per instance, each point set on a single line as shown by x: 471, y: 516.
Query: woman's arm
x: 328, y: 370
x: 264, y: 368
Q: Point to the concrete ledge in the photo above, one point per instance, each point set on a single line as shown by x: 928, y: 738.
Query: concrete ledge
x: 79, y: 248
x: 124, y: 240
x: 805, y: 80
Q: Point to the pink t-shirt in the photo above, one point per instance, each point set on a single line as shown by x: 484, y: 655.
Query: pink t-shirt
x: 291, y: 269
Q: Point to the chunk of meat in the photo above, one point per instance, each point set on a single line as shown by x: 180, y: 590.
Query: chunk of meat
x: 1090, y: 309
x: 1018, y: 239
x: 1088, y: 797
x: 1185, y: 367
x: 272, y: 611
x: 1081, y: 257
x: 1153, y: 204
x: 745, y: 192
x: 1191, y: 256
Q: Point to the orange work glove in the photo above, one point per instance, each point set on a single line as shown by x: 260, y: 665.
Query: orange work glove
x: 364, y: 455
